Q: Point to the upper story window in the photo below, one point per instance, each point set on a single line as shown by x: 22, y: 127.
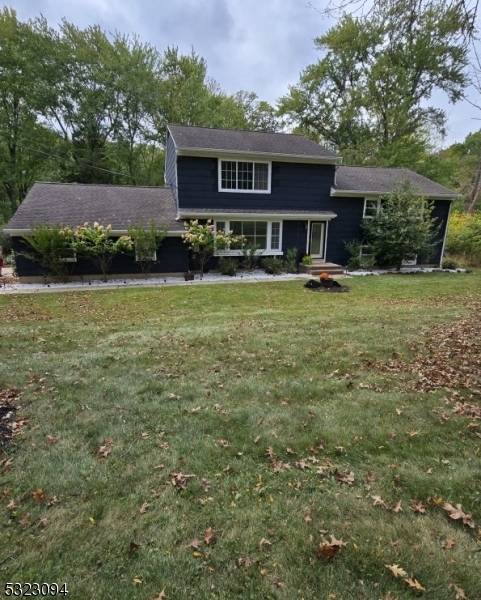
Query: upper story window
x: 244, y: 176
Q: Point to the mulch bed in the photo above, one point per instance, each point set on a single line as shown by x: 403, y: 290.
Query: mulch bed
x: 315, y: 286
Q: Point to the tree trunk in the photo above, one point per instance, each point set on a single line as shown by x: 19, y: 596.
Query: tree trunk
x: 473, y: 194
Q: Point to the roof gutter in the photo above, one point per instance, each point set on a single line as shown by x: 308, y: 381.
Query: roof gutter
x: 367, y: 193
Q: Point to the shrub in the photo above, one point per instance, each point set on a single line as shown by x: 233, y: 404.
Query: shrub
x: 403, y: 226
x: 147, y: 239
x: 273, y: 265
x: 448, y: 263
x: 96, y: 245
x: 228, y: 266
x: 250, y: 257
x: 464, y: 237
x: 307, y: 259
x: 52, y: 247
x: 291, y: 260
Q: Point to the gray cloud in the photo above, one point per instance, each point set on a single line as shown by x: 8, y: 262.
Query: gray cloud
x: 259, y: 46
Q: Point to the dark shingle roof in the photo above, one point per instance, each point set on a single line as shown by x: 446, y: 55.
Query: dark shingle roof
x: 73, y: 204
x: 254, y: 142
x: 383, y: 179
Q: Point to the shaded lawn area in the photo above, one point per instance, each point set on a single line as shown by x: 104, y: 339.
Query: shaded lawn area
x: 246, y: 441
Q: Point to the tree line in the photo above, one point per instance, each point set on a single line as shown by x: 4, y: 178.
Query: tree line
x: 79, y: 105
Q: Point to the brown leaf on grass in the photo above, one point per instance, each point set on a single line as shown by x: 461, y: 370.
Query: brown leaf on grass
x: 206, y: 486
x: 43, y: 523
x: 209, y: 535
x: 460, y: 593
x: 307, y: 516
x: 270, y: 452
x: 263, y: 543
x: 397, y: 508
x: 458, y: 513
x: 256, y: 439
x: 244, y: 561
x: 448, y: 543
x: 105, y: 448
x: 378, y: 501
x: 143, y: 508
x: 179, y: 480
x: 12, y: 505
x: 39, y: 495
x: 418, y: 507
x: 223, y: 443
x: 328, y: 550
x: 196, y: 411
x: 412, y: 433
x: 396, y: 570
x: 415, y: 585
x: 347, y: 477
x: 25, y: 519
x: 133, y: 547
x: 162, y: 596
x: 53, y: 500
x: 195, y: 543
x: 52, y: 439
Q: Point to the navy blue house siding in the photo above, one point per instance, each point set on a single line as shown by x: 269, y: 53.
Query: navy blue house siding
x: 294, y: 186
x: 344, y: 228
x: 172, y: 257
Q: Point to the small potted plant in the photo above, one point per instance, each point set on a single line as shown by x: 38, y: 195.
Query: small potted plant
x: 326, y: 281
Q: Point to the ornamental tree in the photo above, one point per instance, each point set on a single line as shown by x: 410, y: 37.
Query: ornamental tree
x: 52, y: 247
x: 404, y: 226
x: 146, y: 238
x: 203, y: 240
x: 96, y: 245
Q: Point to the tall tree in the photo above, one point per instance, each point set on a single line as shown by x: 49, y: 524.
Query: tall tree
x: 368, y: 95
x: 21, y: 99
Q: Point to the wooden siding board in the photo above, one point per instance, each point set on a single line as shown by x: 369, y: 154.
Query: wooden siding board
x: 172, y: 258
x: 294, y: 187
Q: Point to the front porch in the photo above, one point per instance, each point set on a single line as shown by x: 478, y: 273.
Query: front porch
x: 319, y: 266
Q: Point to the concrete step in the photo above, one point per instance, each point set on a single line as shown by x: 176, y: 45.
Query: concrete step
x: 319, y: 266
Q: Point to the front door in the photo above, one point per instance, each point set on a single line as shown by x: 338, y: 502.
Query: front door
x: 316, y: 241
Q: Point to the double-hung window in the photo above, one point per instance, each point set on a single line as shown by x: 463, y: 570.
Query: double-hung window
x: 265, y: 236
x: 244, y: 176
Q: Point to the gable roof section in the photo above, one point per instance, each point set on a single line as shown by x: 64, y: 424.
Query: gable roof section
x: 365, y: 181
x: 205, y: 140
x: 73, y: 204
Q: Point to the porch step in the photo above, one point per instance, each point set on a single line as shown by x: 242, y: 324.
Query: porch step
x: 319, y: 266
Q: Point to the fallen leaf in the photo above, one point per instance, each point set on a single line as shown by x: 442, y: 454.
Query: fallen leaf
x: 396, y: 570
x: 24, y: 519
x: 43, y: 523
x: 458, y: 513
x: 378, y: 501
x: 12, y: 505
x: 143, y: 508
x: 328, y: 550
x: 307, y: 516
x: 347, y: 477
x: 39, y: 495
x: 263, y: 543
x: 196, y: 411
x: 195, y: 543
x: 162, y: 595
x: 52, y: 439
x: 418, y: 507
x: 414, y: 583
x: 209, y: 535
x: 133, y: 548
x: 448, y: 543
x: 137, y: 581
x: 223, y: 443
x: 397, y: 508
x: 460, y: 593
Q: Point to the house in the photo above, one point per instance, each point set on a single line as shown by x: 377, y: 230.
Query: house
x: 278, y: 190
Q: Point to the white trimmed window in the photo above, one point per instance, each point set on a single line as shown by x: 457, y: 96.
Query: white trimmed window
x: 371, y: 208
x: 144, y: 253
x: 266, y: 235
x: 244, y: 176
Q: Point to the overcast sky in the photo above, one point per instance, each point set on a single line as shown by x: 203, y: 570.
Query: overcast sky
x: 259, y: 46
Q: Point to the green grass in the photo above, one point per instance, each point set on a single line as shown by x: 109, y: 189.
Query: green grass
x: 224, y: 382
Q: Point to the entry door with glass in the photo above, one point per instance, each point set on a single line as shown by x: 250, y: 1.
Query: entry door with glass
x: 316, y: 241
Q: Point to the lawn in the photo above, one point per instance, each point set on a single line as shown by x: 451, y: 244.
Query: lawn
x: 245, y: 441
